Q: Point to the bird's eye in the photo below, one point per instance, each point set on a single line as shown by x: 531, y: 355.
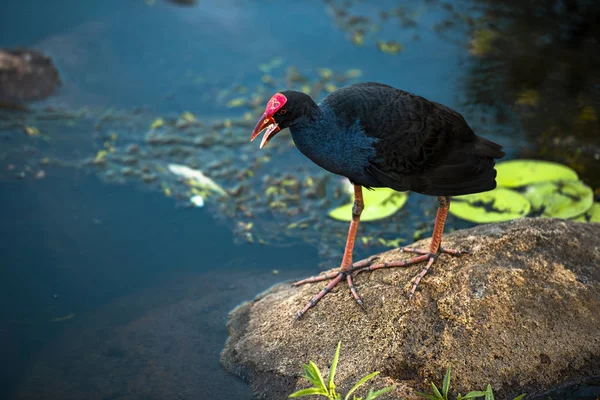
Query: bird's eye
x: 282, y: 112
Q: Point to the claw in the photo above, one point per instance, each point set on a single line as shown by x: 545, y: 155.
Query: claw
x: 337, y: 277
x: 456, y: 253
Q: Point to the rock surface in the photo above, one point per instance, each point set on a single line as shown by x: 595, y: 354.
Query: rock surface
x: 520, y: 312
x: 26, y: 75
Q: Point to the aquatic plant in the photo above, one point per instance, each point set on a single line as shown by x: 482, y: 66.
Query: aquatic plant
x: 561, y: 199
x: 529, y: 188
x: 313, y: 375
x: 379, y: 203
x: 488, y: 393
x: 519, y: 173
x: 591, y: 215
x: 497, y: 205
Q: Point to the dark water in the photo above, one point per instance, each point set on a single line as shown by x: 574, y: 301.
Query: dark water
x: 98, y: 279
x: 71, y: 245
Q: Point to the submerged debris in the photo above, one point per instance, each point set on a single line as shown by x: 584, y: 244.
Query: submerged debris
x: 196, y: 178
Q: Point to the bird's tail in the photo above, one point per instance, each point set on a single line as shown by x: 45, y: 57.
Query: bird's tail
x: 487, y: 148
x: 468, y: 169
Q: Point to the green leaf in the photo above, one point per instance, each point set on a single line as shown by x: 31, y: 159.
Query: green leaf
x: 373, y: 395
x: 516, y: 173
x: 494, y: 206
x: 385, y: 204
x: 315, y: 376
x: 519, y: 397
x: 436, y: 392
x: 308, y: 392
x: 561, y: 199
x: 591, y: 215
x: 446, y: 384
x: 333, y: 367
x: 474, y: 394
x: 427, y: 396
x: 489, y: 393
x: 309, y: 374
x: 360, y: 383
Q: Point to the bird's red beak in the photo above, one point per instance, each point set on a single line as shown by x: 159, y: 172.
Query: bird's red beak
x: 267, y: 122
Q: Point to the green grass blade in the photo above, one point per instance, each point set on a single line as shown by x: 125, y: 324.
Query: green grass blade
x: 474, y: 394
x: 309, y: 374
x: 360, y: 383
x: 308, y: 392
x: 489, y: 393
x: 436, y: 392
x: 446, y: 384
x: 334, y: 364
x: 317, y: 377
x: 519, y: 397
x: 373, y: 395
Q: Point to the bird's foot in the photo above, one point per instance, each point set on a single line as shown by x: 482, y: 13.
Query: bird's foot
x: 424, y: 255
x: 335, y: 278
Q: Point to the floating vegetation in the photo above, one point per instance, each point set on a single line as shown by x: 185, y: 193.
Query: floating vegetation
x: 369, y: 24
x: 391, y: 47
x: 482, y: 41
x: 263, y: 196
x: 537, y: 188
x: 591, y: 215
x: 380, y: 203
x: 31, y: 130
x: 518, y: 173
x: 497, y: 205
x: 63, y: 318
x: 560, y: 199
x: 519, y: 86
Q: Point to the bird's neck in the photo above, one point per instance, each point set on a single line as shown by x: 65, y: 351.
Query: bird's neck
x: 339, y: 148
x: 308, y: 130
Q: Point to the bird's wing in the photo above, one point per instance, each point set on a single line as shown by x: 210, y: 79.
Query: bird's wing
x: 422, y: 145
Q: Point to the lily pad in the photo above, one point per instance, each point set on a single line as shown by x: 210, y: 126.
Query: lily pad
x: 496, y: 205
x: 591, y: 215
x: 562, y: 199
x: 516, y: 173
x: 379, y: 203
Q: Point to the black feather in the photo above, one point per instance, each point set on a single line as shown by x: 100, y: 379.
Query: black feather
x: 379, y: 136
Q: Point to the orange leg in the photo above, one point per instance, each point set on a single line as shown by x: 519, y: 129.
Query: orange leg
x: 346, y: 267
x: 430, y: 256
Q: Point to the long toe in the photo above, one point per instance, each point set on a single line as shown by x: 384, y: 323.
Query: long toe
x: 313, y: 302
x: 317, y: 278
x: 418, y: 278
x: 354, y: 291
x: 335, y: 279
x: 453, y: 252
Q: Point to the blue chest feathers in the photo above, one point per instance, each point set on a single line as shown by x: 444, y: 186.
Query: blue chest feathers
x: 339, y: 148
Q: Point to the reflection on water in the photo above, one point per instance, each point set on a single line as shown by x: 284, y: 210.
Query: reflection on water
x: 540, y: 62
x: 149, y: 83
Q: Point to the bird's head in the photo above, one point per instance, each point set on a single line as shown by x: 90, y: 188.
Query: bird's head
x: 282, y: 111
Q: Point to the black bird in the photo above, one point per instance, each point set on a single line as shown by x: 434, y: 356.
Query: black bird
x: 380, y: 136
